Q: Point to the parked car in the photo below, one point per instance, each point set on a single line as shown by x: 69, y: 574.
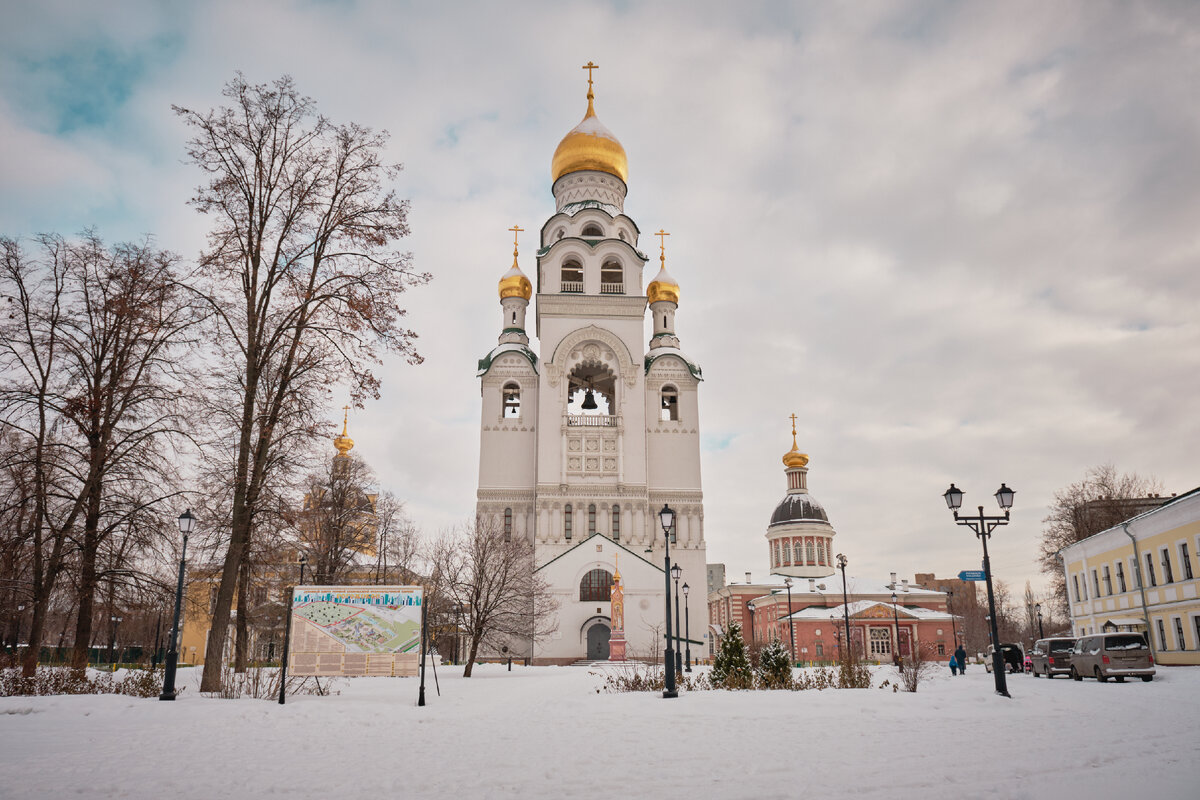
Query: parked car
x: 1112, y: 655
x: 1013, y: 656
x: 1052, y: 656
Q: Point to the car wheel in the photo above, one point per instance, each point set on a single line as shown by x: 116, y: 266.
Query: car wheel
x: 1100, y: 676
x: 1075, y: 676
x: 1147, y: 678
x: 1035, y: 672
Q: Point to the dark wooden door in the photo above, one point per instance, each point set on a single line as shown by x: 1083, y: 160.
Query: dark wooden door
x: 597, y: 643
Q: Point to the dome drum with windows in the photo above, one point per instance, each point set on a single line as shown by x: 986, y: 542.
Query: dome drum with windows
x: 799, y: 534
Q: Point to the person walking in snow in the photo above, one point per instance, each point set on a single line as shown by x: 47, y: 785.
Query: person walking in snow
x: 953, y: 666
x: 960, y: 656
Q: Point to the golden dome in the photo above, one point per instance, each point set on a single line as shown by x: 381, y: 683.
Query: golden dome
x: 344, y: 443
x: 794, y: 458
x: 663, y: 287
x: 514, y: 283
x: 589, y: 145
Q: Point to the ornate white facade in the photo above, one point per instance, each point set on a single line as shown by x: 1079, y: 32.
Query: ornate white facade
x: 560, y: 474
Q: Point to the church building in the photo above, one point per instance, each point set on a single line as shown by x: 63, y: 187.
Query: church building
x: 586, y: 434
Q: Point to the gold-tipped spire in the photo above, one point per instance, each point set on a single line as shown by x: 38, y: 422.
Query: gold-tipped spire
x: 663, y: 287
x: 590, y: 145
x: 514, y: 283
x: 794, y: 458
x: 617, y: 565
x: 344, y: 443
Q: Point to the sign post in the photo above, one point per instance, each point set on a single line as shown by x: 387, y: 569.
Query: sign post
x: 972, y: 575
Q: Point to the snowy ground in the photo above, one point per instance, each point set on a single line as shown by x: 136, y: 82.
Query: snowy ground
x: 546, y: 733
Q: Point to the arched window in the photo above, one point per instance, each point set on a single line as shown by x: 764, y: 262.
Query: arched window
x: 508, y: 524
x: 616, y: 523
x: 567, y: 522
x: 596, y: 586
x: 592, y: 229
x: 512, y: 401
x: 591, y: 519
x: 572, y: 277
x: 787, y: 552
x: 612, y: 278
x: 810, y: 554
x: 669, y: 408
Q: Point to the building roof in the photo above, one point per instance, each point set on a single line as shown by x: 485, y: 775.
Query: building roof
x: 858, y: 606
x: 798, y: 508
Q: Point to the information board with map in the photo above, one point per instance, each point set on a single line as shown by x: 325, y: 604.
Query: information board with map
x: 355, y: 630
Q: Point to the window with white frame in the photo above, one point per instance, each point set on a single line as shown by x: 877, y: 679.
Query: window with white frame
x: 1162, y: 635
x: 1179, y: 641
x: 1095, y: 584
x: 616, y: 523
x: 572, y: 277
x: 1150, y: 569
x: 1084, y: 584
x: 1120, y: 578
x: 1075, y: 586
x: 881, y: 642
x: 1107, y: 580
x: 1168, y: 575
x: 1186, y: 560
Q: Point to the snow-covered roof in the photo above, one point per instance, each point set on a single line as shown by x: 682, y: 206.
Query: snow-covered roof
x: 485, y: 363
x: 571, y: 209
x: 659, y: 352
x: 833, y: 586
x: 859, y: 606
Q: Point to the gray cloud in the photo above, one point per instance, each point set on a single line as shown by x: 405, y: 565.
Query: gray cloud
x: 958, y: 240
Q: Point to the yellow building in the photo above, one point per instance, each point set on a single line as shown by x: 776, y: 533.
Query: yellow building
x: 1142, y: 575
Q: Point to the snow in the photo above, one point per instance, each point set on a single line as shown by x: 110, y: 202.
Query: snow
x: 547, y: 732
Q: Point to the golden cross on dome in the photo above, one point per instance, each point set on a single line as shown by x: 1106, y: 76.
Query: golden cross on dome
x: 793, y: 424
x: 589, y: 67
x: 662, y: 245
x: 515, y: 229
x: 345, y: 419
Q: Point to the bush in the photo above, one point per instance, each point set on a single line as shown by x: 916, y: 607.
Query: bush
x: 915, y: 666
x: 775, y: 666
x: 731, y: 666
x: 64, y: 680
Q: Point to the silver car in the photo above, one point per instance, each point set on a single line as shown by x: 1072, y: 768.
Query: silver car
x: 1112, y: 655
x: 1051, y: 656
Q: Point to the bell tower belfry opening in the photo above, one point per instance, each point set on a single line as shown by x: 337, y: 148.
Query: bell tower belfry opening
x: 586, y: 430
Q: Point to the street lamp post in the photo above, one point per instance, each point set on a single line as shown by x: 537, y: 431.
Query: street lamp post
x: 666, y: 518
x: 753, y: 633
x: 842, y: 561
x: 1041, y: 633
x: 303, y: 564
x: 676, y: 573
x: 187, y: 523
x: 791, y: 623
x: 112, y: 645
x: 687, y: 630
x: 983, y: 527
x: 896, y: 624
x: 950, y: 608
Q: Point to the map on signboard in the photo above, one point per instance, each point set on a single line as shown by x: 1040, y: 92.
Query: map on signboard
x: 355, y: 630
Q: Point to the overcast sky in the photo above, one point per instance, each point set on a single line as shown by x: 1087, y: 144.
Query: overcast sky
x: 958, y: 240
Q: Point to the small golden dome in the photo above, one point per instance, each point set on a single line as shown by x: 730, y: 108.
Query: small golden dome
x: 589, y: 145
x: 794, y: 458
x: 344, y: 443
x: 663, y: 287
x: 515, y: 284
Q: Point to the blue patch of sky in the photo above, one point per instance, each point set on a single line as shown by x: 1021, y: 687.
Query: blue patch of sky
x: 85, y: 85
x: 716, y: 443
x: 452, y: 132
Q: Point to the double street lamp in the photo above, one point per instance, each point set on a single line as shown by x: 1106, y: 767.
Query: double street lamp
x: 187, y: 524
x: 896, y: 621
x: 950, y: 608
x: 753, y: 634
x: 666, y: 518
x: 1041, y: 633
x: 983, y: 527
x: 303, y: 563
x: 841, y: 562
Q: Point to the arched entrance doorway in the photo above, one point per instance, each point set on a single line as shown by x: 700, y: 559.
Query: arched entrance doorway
x: 597, y: 642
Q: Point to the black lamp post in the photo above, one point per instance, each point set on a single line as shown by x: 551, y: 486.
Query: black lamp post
x: 1041, y: 632
x: 896, y: 622
x: 950, y: 608
x: 687, y: 631
x: 837, y: 634
x: 666, y: 518
x: 983, y: 527
x: 187, y: 523
x: 303, y: 563
x: 753, y: 633
x: 112, y: 646
x: 676, y: 573
x: 791, y: 624
x: 842, y: 561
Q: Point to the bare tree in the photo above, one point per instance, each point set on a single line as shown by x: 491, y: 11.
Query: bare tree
x: 1104, y: 498
x: 302, y: 280
x: 398, y: 542
x: 505, y: 602
x: 338, y: 523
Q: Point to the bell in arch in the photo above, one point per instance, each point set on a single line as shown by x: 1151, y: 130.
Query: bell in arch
x: 589, y: 401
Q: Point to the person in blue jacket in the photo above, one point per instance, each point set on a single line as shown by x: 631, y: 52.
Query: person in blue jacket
x: 953, y: 665
x: 960, y: 656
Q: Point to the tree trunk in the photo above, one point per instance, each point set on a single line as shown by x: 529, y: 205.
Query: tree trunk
x: 86, y: 599
x: 242, y: 623
x: 471, y: 656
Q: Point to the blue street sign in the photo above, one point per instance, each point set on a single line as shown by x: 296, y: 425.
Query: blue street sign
x: 972, y: 575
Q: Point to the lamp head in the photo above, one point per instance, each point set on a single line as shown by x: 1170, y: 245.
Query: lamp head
x: 303, y: 558
x: 953, y: 497
x: 787, y: 582
x: 667, y: 518
x: 893, y: 597
x: 676, y: 571
x: 842, y: 561
x: 685, y: 590
x: 187, y: 522
x: 1004, y: 496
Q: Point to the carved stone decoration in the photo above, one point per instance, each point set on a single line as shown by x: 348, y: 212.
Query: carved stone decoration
x: 573, y: 341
